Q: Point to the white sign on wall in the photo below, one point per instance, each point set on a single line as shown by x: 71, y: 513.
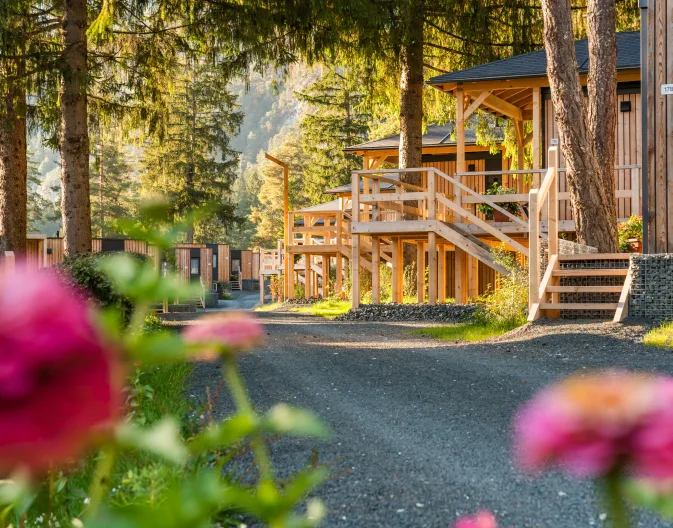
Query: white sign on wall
x: 667, y: 89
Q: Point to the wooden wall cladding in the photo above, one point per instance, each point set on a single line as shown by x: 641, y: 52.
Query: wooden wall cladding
x: 224, y: 262
x: 660, y: 126
x: 207, y: 267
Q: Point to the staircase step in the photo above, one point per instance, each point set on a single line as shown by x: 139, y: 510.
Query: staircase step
x: 595, y: 256
x: 465, y: 233
x: 584, y: 289
x: 578, y: 306
x: 591, y: 273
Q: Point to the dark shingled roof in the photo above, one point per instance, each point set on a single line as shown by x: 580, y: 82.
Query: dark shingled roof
x: 436, y: 136
x: 534, y: 64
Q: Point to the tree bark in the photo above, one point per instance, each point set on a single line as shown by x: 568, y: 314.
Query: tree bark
x: 74, y: 134
x: 411, y: 94
x: 602, y: 91
x: 13, y: 165
x: 593, y: 208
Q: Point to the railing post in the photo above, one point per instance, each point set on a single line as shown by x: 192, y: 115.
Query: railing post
x: 533, y: 250
x: 376, y: 189
x: 552, y: 203
x: 431, y: 196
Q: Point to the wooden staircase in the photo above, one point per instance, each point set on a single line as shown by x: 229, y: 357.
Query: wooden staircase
x: 604, y: 292
x: 461, y: 238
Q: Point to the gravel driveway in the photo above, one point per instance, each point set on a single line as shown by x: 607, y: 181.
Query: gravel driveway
x: 421, y: 428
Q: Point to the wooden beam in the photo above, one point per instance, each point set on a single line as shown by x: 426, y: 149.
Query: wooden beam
x: 441, y: 273
x: 500, y: 105
x: 623, y: 304
x: 476, y: 104
x: 460, y: 269
x: 460, y: 140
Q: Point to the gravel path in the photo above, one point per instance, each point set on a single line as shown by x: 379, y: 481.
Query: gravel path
x: 421, y: 428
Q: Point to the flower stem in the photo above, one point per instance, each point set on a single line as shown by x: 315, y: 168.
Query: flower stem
x: 101, y: 479
x: 614, y: 500
x: 240, y: 396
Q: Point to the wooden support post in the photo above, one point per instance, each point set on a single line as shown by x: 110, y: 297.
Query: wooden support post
x: 520, y: 154
x: 339, y: 273
x: 460, y: 146
x: 432, y: 264
x: 308, y: 290
x: 420, y: 272
x: 325, y: 276
x: 472, y: 277
x: 355, y: 271
x: 460, y: 269
x: 289, y: 267
x: 537, y: 135
x: 376, y: 276
x: 396, y: 268
x: 261, y: 289
x: 441, y: 273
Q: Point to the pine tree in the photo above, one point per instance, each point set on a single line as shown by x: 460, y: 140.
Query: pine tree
x: 114, y: 189
x: 245, y: 196
x: 191, y: 163
x: 335, y: 121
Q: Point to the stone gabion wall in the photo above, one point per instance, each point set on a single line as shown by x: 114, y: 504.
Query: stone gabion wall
x: 652, y: 287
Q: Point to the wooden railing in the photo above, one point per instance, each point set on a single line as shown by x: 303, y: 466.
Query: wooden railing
x: 335, y: 229
x: 548, y: 192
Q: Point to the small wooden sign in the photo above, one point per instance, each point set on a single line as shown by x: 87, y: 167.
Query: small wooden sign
x: 667, y: 89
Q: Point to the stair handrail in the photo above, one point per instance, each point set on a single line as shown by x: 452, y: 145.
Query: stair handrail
x: 548, y: 191
x: 481, y: 197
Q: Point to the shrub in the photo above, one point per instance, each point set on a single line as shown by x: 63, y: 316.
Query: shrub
x: 507, y: 305
x: 83, y: 272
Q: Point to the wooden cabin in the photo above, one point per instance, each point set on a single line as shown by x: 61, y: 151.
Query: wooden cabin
x: 443, y: 217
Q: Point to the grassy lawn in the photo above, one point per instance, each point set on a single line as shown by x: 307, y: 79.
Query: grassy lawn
x: 268, y: 307
x: 328, y: 309
x: 466, y: 332
x: 661, y: 337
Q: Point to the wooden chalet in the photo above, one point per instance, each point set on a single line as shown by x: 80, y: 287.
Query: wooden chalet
x: 443, y: 218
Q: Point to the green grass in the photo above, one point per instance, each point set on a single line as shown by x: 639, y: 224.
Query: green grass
x: 268, y: 307
x: 466, y: 332
x: 328, y: 309
x: 661, y: 337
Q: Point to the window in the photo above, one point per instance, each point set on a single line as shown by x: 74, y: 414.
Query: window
x: 195, y: 266
x: 214, y: 261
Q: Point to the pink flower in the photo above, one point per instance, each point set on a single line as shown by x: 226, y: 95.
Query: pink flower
x: 592, y: 425
x: 483, y: 519
x: 58, y: 383
x: 221, y: 334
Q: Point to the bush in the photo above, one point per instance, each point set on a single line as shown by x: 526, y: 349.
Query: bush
x: 507, y: 305
x: 83, y: 272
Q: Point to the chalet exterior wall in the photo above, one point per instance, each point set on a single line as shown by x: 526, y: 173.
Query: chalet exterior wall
x: 660, y: 126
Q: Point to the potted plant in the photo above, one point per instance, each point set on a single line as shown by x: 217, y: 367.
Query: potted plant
x: 631, y: 235
x: 511, y: 207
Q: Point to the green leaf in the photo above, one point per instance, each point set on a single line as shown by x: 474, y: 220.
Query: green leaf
x: 225, y: 433
x: 289, y: 420
x: 162, y: 439
x: 156, y: 349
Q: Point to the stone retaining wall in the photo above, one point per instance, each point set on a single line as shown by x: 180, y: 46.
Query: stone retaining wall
x: 652, y: 287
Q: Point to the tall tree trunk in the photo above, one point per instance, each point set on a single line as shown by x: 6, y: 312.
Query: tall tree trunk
x: 13, y: 163
x: 74, y: 136
x: 593, y: 210
x: 411, y: 94
x: 602, y: 90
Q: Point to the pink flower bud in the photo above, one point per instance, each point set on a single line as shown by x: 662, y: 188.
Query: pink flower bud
x: 483, y: 519
x: 224, y: 333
